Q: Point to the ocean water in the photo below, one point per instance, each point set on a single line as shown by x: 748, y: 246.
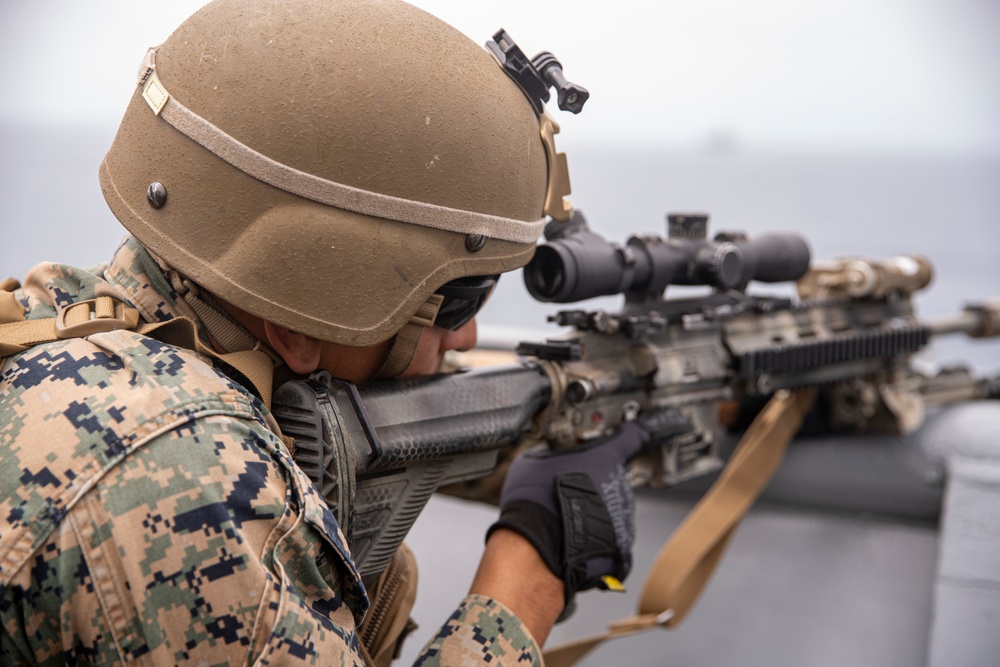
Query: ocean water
x: 945, y: 208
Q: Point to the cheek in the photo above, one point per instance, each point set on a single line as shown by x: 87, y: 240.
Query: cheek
x: 427, y: 358
x: 355, y: 364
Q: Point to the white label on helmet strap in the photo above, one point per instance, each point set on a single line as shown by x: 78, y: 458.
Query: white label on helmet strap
x: 154, y: 93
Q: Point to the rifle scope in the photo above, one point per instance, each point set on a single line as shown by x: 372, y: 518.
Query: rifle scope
x: 577, y: 264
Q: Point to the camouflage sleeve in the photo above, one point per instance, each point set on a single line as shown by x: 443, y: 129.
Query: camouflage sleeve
x: 481, y: 632
x: 202, y: 547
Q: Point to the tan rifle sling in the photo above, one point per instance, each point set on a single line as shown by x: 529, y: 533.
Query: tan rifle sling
x: 686, y: 561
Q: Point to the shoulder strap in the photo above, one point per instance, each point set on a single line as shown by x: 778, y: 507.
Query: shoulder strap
x: 106, y: 313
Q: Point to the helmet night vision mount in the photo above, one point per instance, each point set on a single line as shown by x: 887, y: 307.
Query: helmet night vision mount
x: 537, y: 75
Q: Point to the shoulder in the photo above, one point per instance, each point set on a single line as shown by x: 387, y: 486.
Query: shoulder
x: 70, y: 411
x: 125, y: 384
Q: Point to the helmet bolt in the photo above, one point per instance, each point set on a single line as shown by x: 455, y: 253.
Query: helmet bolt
x: 475, y: 242
x: 156, y: 194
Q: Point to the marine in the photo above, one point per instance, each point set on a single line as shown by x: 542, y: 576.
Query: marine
x: 306, y: 186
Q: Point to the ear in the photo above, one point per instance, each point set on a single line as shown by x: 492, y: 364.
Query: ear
x: 300, y: 352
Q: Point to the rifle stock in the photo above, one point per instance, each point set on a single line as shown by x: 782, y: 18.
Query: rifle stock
x: 378, y: 452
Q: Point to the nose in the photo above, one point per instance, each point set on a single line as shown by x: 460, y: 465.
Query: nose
x: 462, y: 339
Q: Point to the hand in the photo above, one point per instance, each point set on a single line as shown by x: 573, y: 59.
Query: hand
x: 576, y: 508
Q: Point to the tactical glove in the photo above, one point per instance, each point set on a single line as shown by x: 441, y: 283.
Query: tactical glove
x: 577, y: 509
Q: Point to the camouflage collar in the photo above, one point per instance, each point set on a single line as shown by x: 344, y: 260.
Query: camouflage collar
x: 141, y: 280
x: 157, y: 279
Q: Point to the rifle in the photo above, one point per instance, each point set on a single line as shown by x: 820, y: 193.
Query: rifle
x: 377, y: 452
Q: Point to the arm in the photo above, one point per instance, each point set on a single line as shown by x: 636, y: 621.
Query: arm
x: 533, y: 593
x: 511, y: 607
x: 213, y: 523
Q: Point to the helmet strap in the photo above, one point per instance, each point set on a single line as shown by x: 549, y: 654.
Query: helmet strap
x: 224, y: 330
x: 404, y: 345
x: 312, y: 187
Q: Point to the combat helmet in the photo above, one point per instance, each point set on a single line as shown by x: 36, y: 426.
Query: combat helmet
x: 328, y: 166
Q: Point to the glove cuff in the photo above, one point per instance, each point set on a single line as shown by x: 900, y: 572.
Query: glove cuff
x: 537, y: 525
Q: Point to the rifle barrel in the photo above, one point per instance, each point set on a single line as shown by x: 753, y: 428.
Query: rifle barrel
x: 976, y: 321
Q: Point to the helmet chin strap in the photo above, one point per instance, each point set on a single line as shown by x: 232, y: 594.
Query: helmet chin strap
x: 225, y: 332
x: 404, y: 345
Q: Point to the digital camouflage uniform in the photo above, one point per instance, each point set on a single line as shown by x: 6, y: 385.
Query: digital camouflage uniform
x: 148, y: 513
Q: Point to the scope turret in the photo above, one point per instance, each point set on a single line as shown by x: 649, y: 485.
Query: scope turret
x: 577, y: 264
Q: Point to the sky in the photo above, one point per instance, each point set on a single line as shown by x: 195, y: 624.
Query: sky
x: 826, y: 76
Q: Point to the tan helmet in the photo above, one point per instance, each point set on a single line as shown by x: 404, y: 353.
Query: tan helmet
x: 328, y: 165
